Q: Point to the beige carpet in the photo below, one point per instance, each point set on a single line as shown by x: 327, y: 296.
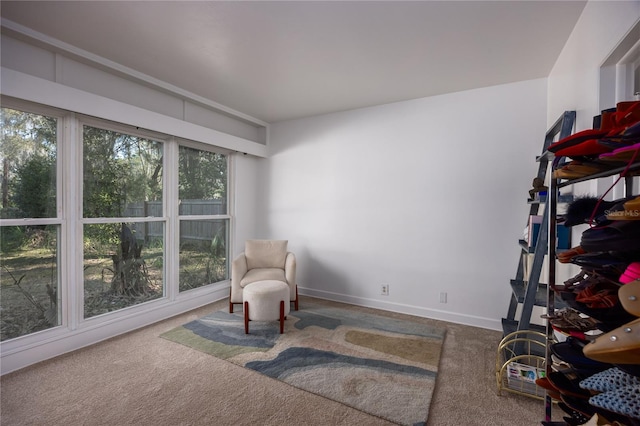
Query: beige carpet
x: 141, y: 379
x: 383, y: 366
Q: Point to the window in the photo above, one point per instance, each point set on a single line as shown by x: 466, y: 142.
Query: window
x: 204, y: 223
x: 123, y: 257
x: 29, y: 225
x: 142, y: 217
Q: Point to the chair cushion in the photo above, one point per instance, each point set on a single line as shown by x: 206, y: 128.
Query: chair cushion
x: 265, y: 253
x: 263, y: 274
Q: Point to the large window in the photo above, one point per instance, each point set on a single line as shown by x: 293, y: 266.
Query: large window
x: 129, y: 218
x: 29, y: 235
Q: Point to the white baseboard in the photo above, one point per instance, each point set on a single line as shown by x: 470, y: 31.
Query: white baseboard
x: 454, y: 317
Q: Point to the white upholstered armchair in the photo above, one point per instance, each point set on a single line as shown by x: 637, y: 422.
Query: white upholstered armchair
x: 263, y: 260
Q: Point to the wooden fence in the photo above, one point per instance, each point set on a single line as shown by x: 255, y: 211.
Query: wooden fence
x: 190, y: 230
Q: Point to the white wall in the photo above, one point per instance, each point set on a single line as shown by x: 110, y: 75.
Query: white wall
x: 575, y: 78
x: 574, y: 81
x: 428, y: 196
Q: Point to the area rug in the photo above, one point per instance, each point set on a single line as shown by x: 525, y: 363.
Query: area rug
x: 382, y: 366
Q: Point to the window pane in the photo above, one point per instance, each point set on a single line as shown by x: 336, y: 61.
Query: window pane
x: 28, y: 162
x: 123, y: 265
x: 28, y: 280
x: 122, y: 175
x: 203, y: 252
x: 202, y: 182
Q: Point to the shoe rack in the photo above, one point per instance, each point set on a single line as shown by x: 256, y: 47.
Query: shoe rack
x: 608, y: 347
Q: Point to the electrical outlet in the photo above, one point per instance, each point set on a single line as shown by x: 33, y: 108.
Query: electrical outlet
x: 384, y: 290
x: 443, y: 297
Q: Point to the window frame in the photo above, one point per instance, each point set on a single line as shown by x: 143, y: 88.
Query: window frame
x: 61, y: 162
x: 69, y: 211
x: 227, y: 216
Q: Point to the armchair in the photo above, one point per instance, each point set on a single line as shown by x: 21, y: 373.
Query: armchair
x: 263, y: 260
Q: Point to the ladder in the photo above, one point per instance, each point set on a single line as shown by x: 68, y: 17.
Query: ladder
x: 528, y: 291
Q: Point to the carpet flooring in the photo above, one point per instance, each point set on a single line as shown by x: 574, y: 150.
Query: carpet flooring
x: 139, y: 379
x: 383, y: 366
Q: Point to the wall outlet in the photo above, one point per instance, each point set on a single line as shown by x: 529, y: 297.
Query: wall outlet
x: 384, y: 290
x: 443, y: 297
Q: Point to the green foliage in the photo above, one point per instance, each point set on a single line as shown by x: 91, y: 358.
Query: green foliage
x: 119, y: 170
x: 203, y: 175
x: 34, y: 190
x: 27, y: 158
x: 11, y: 238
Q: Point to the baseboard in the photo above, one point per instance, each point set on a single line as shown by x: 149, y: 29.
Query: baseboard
x: 454, y: 317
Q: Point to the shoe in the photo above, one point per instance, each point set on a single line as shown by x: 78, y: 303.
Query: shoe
x: 631, y: 273
x: 618, y: 236
x: 570, y: 351
x: 625, y: 401
x: 566, y: 256
x: 629, y: 295
x: 599, y: 261
x: 630, y: 211
x: 627, y: 115
x: 577, y: 138
x: 608, y: 380
x: 609, y: 318
x: 619, y: 346
x: 567, y: 383
x: 581, y: 210
x: 578, y: 169
x: 623, y: 154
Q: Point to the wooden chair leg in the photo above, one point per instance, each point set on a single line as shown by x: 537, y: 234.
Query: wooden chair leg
x: 230, y: 302
x: 296, y: 301
x: 246, y: 317
x: 281, y: 316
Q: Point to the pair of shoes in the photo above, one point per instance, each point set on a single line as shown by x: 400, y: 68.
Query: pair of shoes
x: 614, y: 390
x: 586, y: 144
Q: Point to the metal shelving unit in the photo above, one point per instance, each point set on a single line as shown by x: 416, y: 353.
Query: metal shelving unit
x: 554, y: 187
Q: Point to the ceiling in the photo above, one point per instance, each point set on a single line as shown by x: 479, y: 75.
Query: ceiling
x: 283, y: 60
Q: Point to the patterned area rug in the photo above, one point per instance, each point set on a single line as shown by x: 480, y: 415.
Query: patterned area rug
x: 383, y: 366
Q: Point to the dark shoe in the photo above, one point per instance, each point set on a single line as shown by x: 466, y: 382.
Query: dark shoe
x: 618, y: 236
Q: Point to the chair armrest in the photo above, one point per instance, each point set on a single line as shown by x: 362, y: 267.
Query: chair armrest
x: 238, y: 270
x: 290, y: 269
